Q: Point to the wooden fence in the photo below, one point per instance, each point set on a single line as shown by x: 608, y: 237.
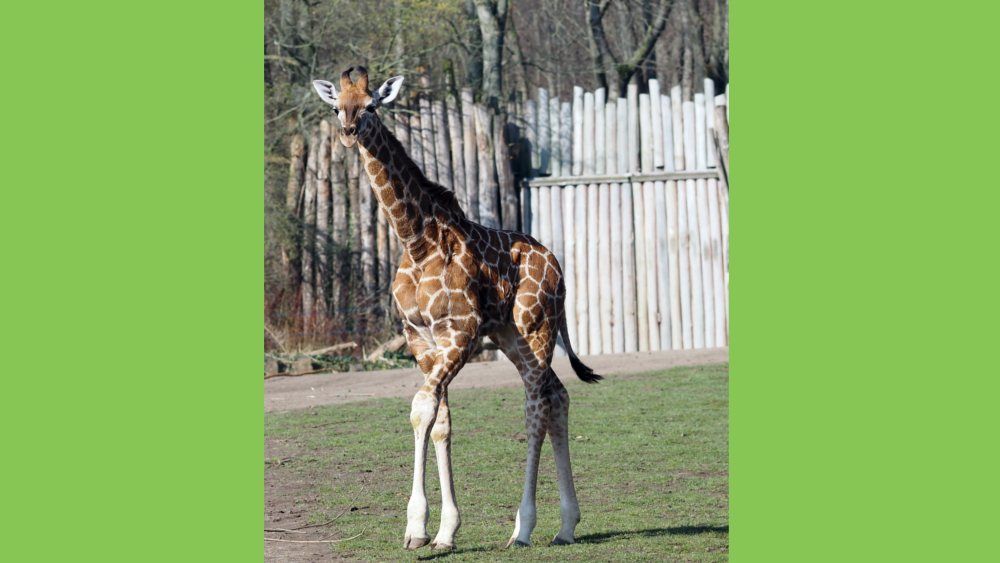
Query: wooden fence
x: 629, y: 194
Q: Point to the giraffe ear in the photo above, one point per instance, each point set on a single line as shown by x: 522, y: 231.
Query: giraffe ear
x: 327, y: 91
x: 388, y: 91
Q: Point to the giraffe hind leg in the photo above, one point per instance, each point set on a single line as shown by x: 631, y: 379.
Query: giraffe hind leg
x: 522, y: 352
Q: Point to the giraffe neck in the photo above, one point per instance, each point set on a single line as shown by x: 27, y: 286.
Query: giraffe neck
x: 414, y: 206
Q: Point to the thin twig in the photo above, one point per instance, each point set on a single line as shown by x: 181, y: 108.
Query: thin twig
x: 276, y: 339
x: 349, y: 505
x: 314, y: 541
x: 282, y: 531
x: 270, y: 375
x: 328, y: 423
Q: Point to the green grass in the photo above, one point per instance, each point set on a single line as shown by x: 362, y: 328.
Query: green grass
x: 650, y: 459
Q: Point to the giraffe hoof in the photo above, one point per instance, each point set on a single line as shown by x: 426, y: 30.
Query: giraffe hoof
x: 415, y: 543
x: 560, y: 541
x: 442, y: 546
x: 516, y: 543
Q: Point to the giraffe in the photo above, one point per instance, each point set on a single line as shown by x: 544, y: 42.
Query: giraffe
x: 458, y: 281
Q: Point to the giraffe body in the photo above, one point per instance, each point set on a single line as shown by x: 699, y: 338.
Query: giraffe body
x: 459, y: 281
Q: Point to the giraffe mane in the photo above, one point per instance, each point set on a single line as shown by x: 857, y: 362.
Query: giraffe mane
x: 436, y: 191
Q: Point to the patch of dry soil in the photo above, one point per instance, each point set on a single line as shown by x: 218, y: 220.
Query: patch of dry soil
x: 290, y: 393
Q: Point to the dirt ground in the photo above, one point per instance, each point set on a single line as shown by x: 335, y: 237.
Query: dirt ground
x: 289, y: 500
x: 290, y: 393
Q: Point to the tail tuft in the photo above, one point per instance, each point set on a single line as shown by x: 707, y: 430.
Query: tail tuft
x: 583, y: 372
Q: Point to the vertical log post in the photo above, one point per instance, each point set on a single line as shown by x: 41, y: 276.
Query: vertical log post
x: 603, y: 236
x: 416, y: 139
x: 591, y: 233
x: 600, y: 130
x: 662, y: 272
x: 569, y: 252
x: 633, y: 130
x: 621, y: 135
x: 724, y: 223
x: 615, y: 237
x: 544, y: 194
x: 683, y: 253
x: 656, y: 110
x: 309, y: 235
x: 323, y: 217
x: 354, y: 216
x: 383, y: 266
x: 641, y: 290
x: 652, y: 289
x: 296, y: 172
x: 628, y: 266
x: 441, y: 144
x: 366, y: 197
x: 339, y: 235
x: 505, y: 175
x: 531, y: 132
x: 577, y: 131
x: 470, y: 155
x: 582, y: 278
x: 544, y: 136
x: 646, y: 134
x: 457, y: 160
x: 710, y: 119
x: 427, y: 139
x: 690, y: 149
x: 566, y: 138
x: 617, y: 299
x: 558, y: 239
x: 700, y: 142
x: 676, y: 118
x: 705, y: 254
x: 718, y: 273
x: 694, y: 257
x: 555, y: 138
x: 722, y: 130
x: 666, y: 113
x: 488, y: 189
x: 676, y: 328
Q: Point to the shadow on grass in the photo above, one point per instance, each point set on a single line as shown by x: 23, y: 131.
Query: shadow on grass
x: 602, y: 538
x: 651, y: 533
x: 451, y: 552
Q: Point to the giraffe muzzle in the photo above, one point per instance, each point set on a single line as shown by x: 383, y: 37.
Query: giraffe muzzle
x: 349, y: 136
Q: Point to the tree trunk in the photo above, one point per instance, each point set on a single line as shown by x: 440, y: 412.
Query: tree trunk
x: 309, y: 234
x: 492, y: 22
x: 474, y: 39
x: 505, y: 176
x: 339, y: 235
x: 488, y: 205
x: 353, y: 173
x: 323, y: 217
x: 618, y: 74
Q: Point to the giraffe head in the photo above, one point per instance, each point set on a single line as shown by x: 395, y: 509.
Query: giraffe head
x: 355, y: 104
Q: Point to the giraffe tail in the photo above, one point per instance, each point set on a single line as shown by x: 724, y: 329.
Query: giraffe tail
x: 583, y: 372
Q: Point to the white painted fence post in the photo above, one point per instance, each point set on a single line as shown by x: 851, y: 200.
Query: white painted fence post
x: 656, y: 110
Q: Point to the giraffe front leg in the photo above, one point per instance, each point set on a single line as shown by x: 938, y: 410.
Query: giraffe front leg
x: 422, y: 415
x: 451, y: 521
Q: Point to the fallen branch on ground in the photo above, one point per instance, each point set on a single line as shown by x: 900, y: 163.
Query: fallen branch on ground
x: 314, y: 541
x: 389, y: 346
x: 342, y: 512
x: 268, y: 376
x: 331, y: 349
